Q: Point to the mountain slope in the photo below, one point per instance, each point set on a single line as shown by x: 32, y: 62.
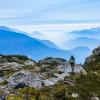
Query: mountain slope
x: 49, y: 44
x: 92, y: 62
x: 17, y: 43
x: 41, y: 38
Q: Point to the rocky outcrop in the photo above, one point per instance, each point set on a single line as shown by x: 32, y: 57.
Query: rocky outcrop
x: 34, y: 80
x: 14, y: 62
x: 67, y: 68
x: 46, y: 72
x: 10, y: 65
x: 92, y: 62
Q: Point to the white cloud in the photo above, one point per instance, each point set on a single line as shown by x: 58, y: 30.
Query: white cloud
x: 56, y: 27
x: 57, y: 33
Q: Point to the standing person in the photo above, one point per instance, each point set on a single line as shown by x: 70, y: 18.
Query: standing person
x: 72, y: 63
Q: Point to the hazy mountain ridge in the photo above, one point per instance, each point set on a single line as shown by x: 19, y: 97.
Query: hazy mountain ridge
x: 87, y: 32
x: 38, y: 35
x: 49, y: 44
x: 84, y: 37
x: 82, y: 41
x: 18, y: 43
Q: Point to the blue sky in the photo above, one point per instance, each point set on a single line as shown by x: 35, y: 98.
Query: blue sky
x: 49, y: 11
x: 50, y: 17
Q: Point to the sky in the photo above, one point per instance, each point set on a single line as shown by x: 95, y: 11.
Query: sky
x: 52, y: 18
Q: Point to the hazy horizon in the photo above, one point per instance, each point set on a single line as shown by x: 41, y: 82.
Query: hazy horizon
x: 55, y: 20
x: 52, y: 18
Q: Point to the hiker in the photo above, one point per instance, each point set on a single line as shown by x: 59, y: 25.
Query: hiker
x: 72, y: 63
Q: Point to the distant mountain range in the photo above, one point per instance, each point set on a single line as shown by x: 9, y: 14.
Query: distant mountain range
x: 16, y: 42
x: 87, y: 37
x: 12, y: 42
x: 81, y: 41
x: 88, y: 32
x: 38, y: 35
